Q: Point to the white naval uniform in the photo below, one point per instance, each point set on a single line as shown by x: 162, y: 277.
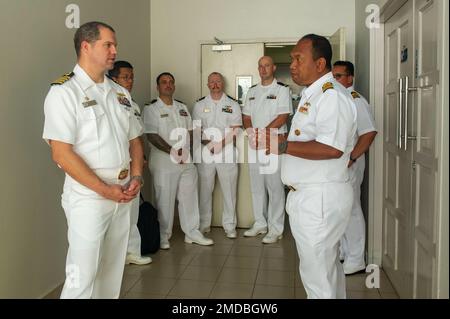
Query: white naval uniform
x: 134, y: 239
x: 264, y: 104
x: 354, y: 240
x: 171, y: 180
x: 216, y: 116
x: 320, y: 206
x: 100, y: 132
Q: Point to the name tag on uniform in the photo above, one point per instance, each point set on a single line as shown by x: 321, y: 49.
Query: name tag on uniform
x: 206, y: 110
x: 271, y: 97
x: 252, y: 98
x: 90, y: 103
x: 227, y: 109
x: 164, y: 115
x: 183, y: 113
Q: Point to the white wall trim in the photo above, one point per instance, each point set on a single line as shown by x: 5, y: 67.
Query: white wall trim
x: 375, y: 216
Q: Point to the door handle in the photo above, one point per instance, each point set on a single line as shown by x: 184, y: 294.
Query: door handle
x: 399, y: 113
x: 405, y: 135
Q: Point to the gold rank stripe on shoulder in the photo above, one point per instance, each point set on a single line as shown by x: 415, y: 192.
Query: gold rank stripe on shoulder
x: 355, y: 95
x: 327, y: 86
x: 66, y: 77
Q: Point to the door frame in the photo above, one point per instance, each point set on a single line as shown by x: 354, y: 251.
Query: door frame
x: 376, y: 80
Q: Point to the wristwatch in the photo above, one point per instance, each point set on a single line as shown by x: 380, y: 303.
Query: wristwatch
x: 282, y: 146
x: 138, y: 177
x: 353, y: 159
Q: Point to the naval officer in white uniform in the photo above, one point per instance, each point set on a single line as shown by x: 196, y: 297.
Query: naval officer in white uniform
x: 94, y: 138
x: 220, y: 116
x: 353, y: 243
x: 168, y: 125
x: 267, y: 106
x: 123, y: 74
x: 314, y: 167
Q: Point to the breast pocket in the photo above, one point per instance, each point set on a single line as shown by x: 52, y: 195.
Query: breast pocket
x: 91, y: 121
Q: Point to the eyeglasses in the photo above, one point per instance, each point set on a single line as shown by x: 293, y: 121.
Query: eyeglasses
x: 126, y: 78
x: 337, y: 76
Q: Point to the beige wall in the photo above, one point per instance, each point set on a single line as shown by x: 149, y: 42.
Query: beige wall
x: 179, y: 27
x: 362, y: 45
x: 37, y: 48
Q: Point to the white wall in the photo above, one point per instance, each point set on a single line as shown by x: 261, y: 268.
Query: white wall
x: 362, y: 45
x: 37, y: 48
x: 179, y: 27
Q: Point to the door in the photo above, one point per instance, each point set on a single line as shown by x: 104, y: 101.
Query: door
x: 397, y: 204
x: 337, y: 41
x: 411, y: 153
x: 240, y: 61
x: 424, y: 147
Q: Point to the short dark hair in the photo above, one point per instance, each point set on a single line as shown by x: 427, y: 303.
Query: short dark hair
x: 321, y: 48
x: 114, y: 72
x: 349, y: 67
x: 89, y: 32
x: 162, y: 74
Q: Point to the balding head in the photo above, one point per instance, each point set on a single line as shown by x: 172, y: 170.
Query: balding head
x: 266, y: 69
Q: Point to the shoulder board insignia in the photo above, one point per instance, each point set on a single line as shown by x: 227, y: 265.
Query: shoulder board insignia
x: 202, y: 98
x: 66, y: 77
x: 355, y: 95
x: 153, y: 101
x: 179, y: 101
x: 282, y: 84
x: 232, y: 98
x: 253, y: 85
x: 327, y: 86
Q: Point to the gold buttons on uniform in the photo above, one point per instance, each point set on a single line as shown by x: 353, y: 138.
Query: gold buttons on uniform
x: 297, y: 132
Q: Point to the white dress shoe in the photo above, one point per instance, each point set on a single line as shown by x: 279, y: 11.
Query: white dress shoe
x: 352, y: 270
x: 252, y: 232
x: 205, y: 230
x: 137, y: 260
x: 164, y: 244
x: 231, y: 234
x: 198, y: 239
x: 271, y: 238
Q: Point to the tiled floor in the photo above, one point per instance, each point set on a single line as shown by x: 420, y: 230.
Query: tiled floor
x: 231, y: 268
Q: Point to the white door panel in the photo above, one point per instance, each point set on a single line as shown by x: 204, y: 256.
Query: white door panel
x: 398, y: 161
x: 411, y: 158
x: 424, y: 153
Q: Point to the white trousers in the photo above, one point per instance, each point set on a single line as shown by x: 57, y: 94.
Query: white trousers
x: 353, y: 243
x: 228, y: 174
x: 268, y: 199
x: 98, y: 235
x: 171, y: 182
x: 134, y: 239
x: 318, y: 216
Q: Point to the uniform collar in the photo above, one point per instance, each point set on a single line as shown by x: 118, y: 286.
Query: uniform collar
x: 317, y: 85
x: 164, y: 104
x: 222, y: 99
x: 274, y: 82
x: 351, y: 88
x: 85, y: 80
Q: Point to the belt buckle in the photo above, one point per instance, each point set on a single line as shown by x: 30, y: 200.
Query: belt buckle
x: 292, y: 188
x: 123, y: 174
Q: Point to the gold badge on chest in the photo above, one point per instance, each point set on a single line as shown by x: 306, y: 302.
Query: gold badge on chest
x: 304, y: 108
